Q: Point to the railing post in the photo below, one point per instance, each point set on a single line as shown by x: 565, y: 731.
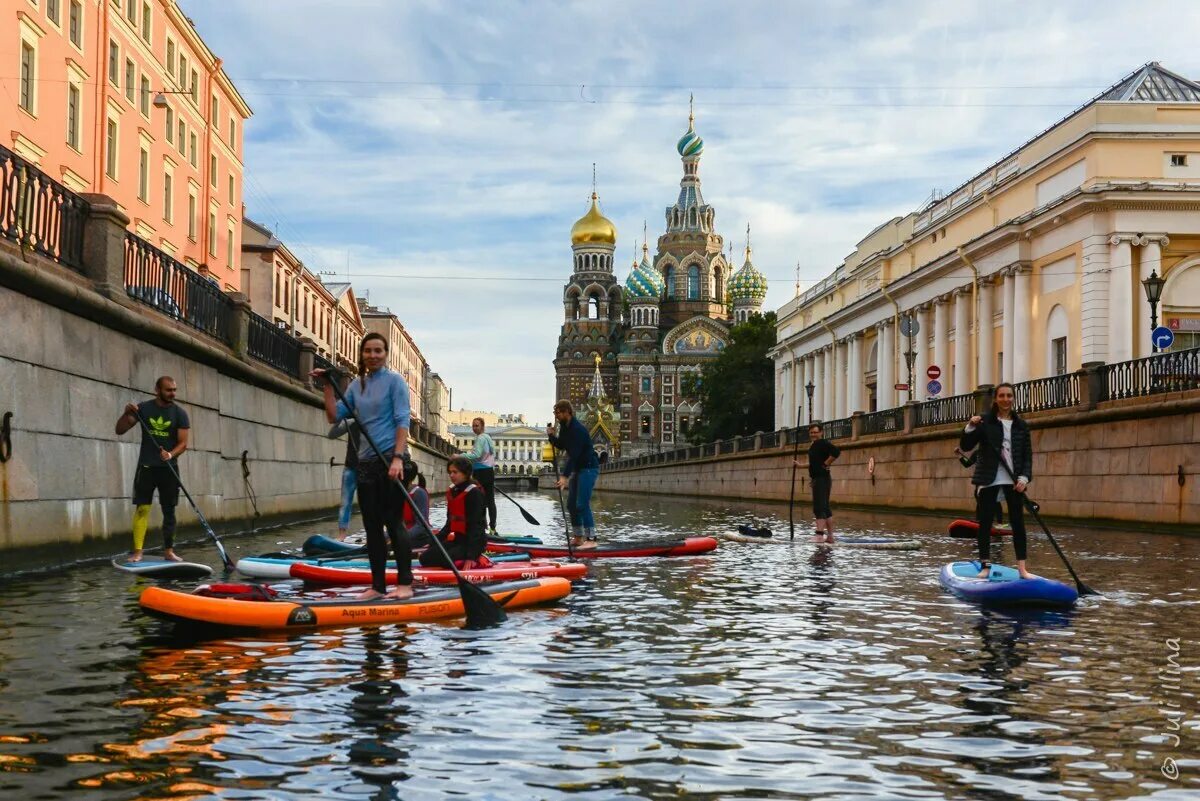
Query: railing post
x: 758, y: 435
x: 983, y: 398
x: 237, y: 332
x: 1091, y: 385
x: 308, y: 359
x: 910, y: 416
x: 104, y: 245
x: 855, y: 425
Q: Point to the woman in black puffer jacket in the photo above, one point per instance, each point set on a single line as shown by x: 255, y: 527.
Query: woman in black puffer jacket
x: 1001, y: 434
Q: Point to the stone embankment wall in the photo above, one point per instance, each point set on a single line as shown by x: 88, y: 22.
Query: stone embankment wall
x: 1133, y: 461
x: 72, y: 355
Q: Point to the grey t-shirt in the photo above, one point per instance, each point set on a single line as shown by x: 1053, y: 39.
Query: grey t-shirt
x: 164, y: 423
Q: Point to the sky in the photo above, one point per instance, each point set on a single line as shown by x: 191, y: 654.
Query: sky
x: 437, y: 153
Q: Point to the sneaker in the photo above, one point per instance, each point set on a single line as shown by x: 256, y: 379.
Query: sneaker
x: 492, y: 533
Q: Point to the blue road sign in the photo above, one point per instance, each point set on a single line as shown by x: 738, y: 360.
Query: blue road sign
x: 934, y: 387
x: 909, y: 326
x: 1162, y: 337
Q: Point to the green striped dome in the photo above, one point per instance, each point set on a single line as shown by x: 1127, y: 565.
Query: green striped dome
x: 644, y: 282
x: 690, y: 144
x: 748, y: 284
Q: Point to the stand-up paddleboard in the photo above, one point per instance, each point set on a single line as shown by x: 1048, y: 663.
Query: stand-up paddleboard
x: 878, y: 543
x: 747, y: 534
x: 279, y: 567
x: 1005, y: 587
x: 320, y: 545
x: 673, y: 547
x: 162, y: 568
x: 969, y: 530
x: 350, y: 576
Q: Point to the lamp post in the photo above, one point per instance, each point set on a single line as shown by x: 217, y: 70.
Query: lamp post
x: 1154, y: 287
x: 910, y: 356
x: 809, y: 387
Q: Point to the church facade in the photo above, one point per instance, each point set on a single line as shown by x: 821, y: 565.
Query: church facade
x: 628, y: 352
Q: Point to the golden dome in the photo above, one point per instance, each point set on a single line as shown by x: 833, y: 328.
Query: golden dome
x: 593, y: 227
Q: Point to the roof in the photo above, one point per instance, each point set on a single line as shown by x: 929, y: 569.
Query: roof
x: 1153, y: 83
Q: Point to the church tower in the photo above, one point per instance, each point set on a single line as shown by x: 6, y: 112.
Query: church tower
x: 747, y: 288
x: 592, y: 310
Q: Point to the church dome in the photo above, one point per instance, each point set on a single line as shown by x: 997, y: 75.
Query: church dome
x: 644, y: 282
x: 748, y: 283
x: 593, y: 228
x: 690, y: 144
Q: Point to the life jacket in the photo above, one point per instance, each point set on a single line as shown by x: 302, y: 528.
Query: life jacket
x: 456, y: 510
x: 410, y: 516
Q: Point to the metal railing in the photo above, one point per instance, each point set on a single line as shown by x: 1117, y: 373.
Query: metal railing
x: 156, y: 279
x: 1053, y: 392
x: 39, y: 213
x: 322, y: 363
x: 955, y: 409
x: 273, y: 346
x: 836, y: 429
x: 770, y: 439
x: 745, y: 443
x: 1173, y: 371
x: 888, y: 421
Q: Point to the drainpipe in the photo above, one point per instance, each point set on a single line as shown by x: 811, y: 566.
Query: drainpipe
x: 975, y: 312
x: 895, y: 329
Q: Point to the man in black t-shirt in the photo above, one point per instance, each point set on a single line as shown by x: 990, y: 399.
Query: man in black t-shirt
x: 821, y: 454
x: 163, y: 443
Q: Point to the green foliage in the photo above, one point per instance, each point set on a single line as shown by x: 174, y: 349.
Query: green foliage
x: 737, y: 389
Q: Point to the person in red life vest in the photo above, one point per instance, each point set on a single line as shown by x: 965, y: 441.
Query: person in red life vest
x: 414, y: 482
x: 463, y: 535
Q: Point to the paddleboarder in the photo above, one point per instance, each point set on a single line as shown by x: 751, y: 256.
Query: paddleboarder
x: 168, y: 422
x: 821, y: 454
x: 463, y: 535
x: 483, y: 468
x: 1002, y: 435
x: 349, y: 473
x: 580, y: 474
x: 380, y: 397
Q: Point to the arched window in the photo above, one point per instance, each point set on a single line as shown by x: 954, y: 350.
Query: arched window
x: 593, y: 309
x: 693, y: 282
x: 1057, y: 328
x: 719, y: 280
x: 669, y: 275
x: 645, y: 425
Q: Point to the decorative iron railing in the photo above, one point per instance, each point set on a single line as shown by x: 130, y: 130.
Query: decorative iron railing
x: 745, y: 443
x: 725, y: 446
x: 1054, y: 392
x: 770, y: 439
x: 154, y: 278
x: 1173, y: 371
x: 955, y: 409
x: 39, y: 213
x: 273, y: 346
x: 836, y: 429
x: 888, y: 421
x: 322, y: 363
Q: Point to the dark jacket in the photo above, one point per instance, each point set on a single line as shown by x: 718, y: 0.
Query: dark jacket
x: 476, y: 539
x: 991, y: 434
x: 577, y: 442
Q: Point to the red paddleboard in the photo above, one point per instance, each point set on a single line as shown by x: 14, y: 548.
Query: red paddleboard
x: 969, y: 530
x: 677, y: 547
x: 499, y: 571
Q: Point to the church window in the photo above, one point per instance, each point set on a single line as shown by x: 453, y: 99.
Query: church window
x: 669, y: 275
x: 693, y: 282
x: 593, y: 309
x: 646, y: 387
x: 645, y: 425
x: 720, y: 285
x: 578, y: 355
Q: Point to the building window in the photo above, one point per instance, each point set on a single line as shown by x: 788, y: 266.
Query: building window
x: 232, y: 132
x: 144, y: 175
x: 192, y: 203
x: 144, y: 97
x: 114, y: 64
x: 1059, y: 348
x: 646, y: 383
x: 1178, y: 159
x: 110, y: 155
x: 170, y: 57
x: 669, y: 275
x: 194, y: 87
x: 183, y: 70
x: 693, y: 283
x: 170, y: 125
x: 645, y: 427
x: 182, y: 136
x: 212, y: 234
x: 684, y: 424
x: 212, y: 171
x: 229, y: 246
x: 212, y: 110
x: 130, y: 79
x: 231, y: 189
x: 74, y: 98
x: 28, y: 75
x: 146, y: 22
x: 53, y: 10
x: 76, y: 23
x: 131, y: 11
x: 192, y: 148
x: 168, y: 197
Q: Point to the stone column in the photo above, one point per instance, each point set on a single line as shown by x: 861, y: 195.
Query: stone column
x: 854, y: 375
x: 1120, y: 299
x: 1151, y: 261
x: 104, y: 245
x: 941, y: 342
x: 1021, y: 321
x: 826, y: 388
x: 984, y: 340
x: 1006, y: 366
x: 962, y: 343
x: 308, y: 353
x: 842, y: 354
x: 1094, y: 310
x: 924, y: 319
x: 885, y: 374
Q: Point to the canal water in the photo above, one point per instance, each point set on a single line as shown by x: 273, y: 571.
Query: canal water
x: 778, y: 670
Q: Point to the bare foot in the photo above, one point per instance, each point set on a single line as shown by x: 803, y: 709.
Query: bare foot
x: 576, y: 542
x: 402, y: 592
x: 586, y: 545
x: 171, y: 556
x: 342, y: 534
x: 818, y: 537
x: 829, y: 539
x: 368, y: 595
x: 135, y: 556
x: 1025, y: 574
x: 984, y: 572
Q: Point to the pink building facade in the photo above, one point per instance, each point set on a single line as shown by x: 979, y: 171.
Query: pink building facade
x: 123, y: 98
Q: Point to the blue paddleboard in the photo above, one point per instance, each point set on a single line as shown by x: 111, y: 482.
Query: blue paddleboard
x: 1005, y: 587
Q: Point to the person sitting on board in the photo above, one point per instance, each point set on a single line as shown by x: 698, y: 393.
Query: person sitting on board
x: 580, y: 474
x: 463, y: 536
x: 821, y: 454
x: 164, y: 439
x: 414, y: 482
x: 1004, y: 437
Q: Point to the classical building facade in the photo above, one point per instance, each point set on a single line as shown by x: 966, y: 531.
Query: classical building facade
x: 125, y: 100
x: 518, y: 447
x: 1031, y: 268
x: 636, y: 344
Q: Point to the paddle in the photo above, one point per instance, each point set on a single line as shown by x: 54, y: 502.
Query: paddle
x: 528, y: 517
x: 562, y: 506
x: 482, y: 610
x: 200, y: 515
x: 792, y: 498
x: 1033, y: 508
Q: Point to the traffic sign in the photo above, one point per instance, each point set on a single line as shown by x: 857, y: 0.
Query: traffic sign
x: 909, y: 326
x: 934, y: 372
x: 934, y: 387
x: 1162, y: 337
x: 901, y: 387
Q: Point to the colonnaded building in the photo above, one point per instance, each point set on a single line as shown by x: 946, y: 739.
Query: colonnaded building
x: 624, y: 351
x: 1032, y: 268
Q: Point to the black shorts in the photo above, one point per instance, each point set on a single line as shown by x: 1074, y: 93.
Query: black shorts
x: 821, y: 488
x: 148, y: 479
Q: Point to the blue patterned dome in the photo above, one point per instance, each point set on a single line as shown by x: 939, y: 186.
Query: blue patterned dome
x: 748, y: 283
x: 644, y: 282
x: 690, y: 144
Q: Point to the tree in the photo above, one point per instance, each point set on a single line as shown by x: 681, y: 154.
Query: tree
x: 737, y: 389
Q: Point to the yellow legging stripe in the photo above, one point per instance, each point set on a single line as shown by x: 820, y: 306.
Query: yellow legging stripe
x: 141, y: 522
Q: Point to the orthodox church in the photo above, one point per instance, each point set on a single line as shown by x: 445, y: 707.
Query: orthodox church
x: 626, y: 351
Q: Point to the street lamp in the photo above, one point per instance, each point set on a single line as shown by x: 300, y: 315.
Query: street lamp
x: 1154, y: 287
x: 160, y: 97
x: 910, y: 356
x: 809, y: 387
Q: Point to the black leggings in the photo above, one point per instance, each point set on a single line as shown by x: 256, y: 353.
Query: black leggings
x: 486, y: 476
x: 822, y: 487
x: 988, y: 505
x: 380, y: 502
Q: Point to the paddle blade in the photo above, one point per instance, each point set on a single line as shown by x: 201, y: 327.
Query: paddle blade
x: 528, y: 517
x: 482, y: 610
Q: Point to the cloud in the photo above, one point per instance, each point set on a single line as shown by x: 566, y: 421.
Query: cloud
x: 457, y: 139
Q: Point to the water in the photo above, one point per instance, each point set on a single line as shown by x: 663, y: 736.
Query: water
x: 778, y: 670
